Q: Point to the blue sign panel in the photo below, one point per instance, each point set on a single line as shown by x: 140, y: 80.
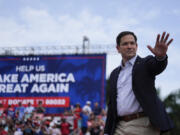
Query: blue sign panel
x: 59, y: 81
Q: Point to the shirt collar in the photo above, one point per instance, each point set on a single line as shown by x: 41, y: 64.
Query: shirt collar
x: 131, y: 61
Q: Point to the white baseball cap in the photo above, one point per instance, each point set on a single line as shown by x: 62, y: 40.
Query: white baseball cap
x: 88, y: 102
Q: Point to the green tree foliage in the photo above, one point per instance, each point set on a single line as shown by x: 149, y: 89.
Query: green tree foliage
x: 172, y: 103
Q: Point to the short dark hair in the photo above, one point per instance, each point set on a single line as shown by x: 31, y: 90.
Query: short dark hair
x: 124, y: 33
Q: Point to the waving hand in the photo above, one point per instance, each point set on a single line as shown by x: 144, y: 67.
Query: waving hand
x: 161, y: 46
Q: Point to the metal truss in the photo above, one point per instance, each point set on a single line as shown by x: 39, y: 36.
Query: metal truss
x: 63, y: 49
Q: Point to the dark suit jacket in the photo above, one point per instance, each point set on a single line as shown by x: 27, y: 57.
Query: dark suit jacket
x: 143, y: 85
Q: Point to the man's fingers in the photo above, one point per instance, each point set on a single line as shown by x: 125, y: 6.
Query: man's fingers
x: 162, y: 38
x: 157, y: 39
x: 166, y: 38
x: 150, y: 48
x: 169, y: 42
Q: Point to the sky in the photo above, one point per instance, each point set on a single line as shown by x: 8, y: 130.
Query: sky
x: 64, y: 22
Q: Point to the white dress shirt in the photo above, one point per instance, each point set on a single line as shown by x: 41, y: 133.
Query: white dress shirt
x: 126, y: 100
x: 87, y: 109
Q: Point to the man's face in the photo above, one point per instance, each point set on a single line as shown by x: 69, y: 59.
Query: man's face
x: 127, y: 47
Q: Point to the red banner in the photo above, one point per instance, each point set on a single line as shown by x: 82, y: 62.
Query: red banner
x: 47, y: 101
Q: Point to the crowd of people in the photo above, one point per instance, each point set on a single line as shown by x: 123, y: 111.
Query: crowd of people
x: 29, y: 120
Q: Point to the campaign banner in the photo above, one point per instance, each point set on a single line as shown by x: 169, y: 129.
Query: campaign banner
x: 59, y: 81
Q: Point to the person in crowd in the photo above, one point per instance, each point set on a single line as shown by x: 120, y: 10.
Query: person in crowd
x: 90, y: 122
x: 2, y: 109
x: 40, y: 108
x: 18, y: 132
x: 84, y: 122
x: 10, y: 111
x: 37, y: 128
x: 134, y: 107
x: 46, y: 126
x: 28, y: 128
x: 39, y: 111
x: 76, y: 113
x: 20, y: 111
x: 101, y: 124
x: 87, y: 107
x: 103, y: 115
x: 54, y: 129
x: 3, y: 130
x: 9, y: 125
x: 95, y: 128
x: 65, y: 126
x: 97, y: 109
x: 28, y: 111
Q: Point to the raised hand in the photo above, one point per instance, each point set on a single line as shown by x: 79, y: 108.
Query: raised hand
x: 161, y: 45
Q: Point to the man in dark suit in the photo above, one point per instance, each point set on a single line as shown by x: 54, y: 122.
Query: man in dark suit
x: 134, y: 107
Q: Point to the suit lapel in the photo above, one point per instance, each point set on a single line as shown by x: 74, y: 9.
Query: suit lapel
x: 138, y: 59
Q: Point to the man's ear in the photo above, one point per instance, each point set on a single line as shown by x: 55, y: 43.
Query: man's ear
x: 118, y: 48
